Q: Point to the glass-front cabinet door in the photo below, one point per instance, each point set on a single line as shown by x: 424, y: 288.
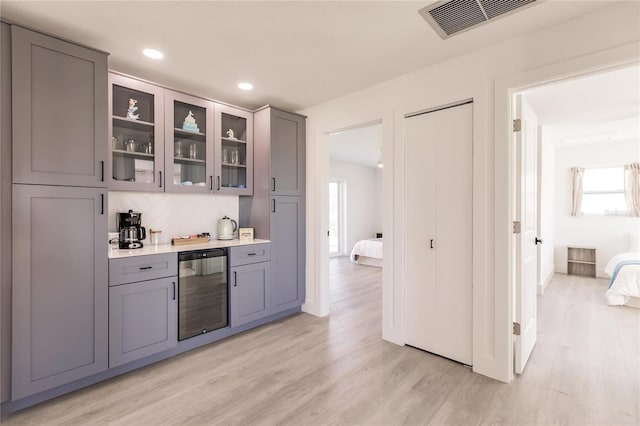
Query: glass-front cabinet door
x: 234, y: 151
x: 136, y: 134
x: 189, y: 143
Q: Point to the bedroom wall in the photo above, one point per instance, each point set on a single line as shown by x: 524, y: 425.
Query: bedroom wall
x: 378, y: 213
x: 364, y: 203
x: 608, y: 234
x: 606, y: 37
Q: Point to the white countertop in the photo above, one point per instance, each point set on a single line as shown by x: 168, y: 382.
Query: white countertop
x: 168, y: 248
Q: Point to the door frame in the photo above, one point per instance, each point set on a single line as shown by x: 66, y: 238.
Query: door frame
x: 317, y: 296
x: 504, y: 89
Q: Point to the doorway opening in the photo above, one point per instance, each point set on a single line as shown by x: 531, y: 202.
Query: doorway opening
x: 355, y: 215
x: 575, y: 145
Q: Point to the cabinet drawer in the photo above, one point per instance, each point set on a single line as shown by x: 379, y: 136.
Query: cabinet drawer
x: 244, y: 255
x: 142, y: 268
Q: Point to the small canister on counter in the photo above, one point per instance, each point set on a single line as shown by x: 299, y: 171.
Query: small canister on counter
x: 114, y: 238
x: 155, y: 236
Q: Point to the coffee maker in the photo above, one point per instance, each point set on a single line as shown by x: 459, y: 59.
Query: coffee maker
x: 131, y: 233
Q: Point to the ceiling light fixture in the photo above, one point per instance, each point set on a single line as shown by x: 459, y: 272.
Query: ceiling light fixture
x: 153, y: 54
x: 245, y: 86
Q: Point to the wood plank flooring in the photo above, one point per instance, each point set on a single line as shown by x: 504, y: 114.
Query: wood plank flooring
x: 303, y: 370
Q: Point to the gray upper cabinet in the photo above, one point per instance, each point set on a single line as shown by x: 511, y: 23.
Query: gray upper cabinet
x: 59, y: 111
x: 285, y: 132
x: 60, y: 314
x: 234, y: 151
x: 287, y: 253
x: 143, y: 319
x: 188, y: 143
x: 136, y: 135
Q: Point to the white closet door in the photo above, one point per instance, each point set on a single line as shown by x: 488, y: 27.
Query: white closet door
x: 438, y: 226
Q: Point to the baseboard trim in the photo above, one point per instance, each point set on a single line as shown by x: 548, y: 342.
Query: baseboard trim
x: 546, y: 280
x: 313, y: 308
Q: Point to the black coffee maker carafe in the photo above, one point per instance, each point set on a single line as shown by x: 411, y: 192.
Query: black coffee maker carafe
x: 130, y: 231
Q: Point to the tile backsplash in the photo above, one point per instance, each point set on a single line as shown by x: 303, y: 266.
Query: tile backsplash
x: 174, y: 214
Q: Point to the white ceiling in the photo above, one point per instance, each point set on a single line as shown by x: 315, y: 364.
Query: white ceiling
x: 362, y: 145
x: 296, y: 53
x: 595, y: 108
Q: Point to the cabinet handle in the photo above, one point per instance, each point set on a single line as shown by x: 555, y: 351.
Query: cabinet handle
x: 160, y: 173
x: 217, y: 183
x: 101, y: 203
x: 101, y: 171
x: 273, y: 184
x: 235, y: 278
x: 431, y: 243
x: 142, y: 268
x: 173, y: 290
x: 251, y: 254
x: 211, y: 183
x: 273, y: 205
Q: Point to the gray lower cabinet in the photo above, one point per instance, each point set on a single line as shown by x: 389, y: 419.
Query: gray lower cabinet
x: 143, y: 319
x: 59, y: 111
x: 250, y: 293
x: 60, y: 288
x: 249, y: 283
x: 287, y: 252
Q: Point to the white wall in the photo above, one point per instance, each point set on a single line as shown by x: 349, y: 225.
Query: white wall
x: 608, y: 234
x: 174, y: 214
x: 547, y: 211
x: 364, y: 203
x: 606, y: 37
x: 378, y: 213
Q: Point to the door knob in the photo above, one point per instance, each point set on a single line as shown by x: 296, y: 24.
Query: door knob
x: 538, y: 241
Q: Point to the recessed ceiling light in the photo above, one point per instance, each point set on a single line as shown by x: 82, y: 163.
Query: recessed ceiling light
x: 153, y: 54
x: 245, y: 86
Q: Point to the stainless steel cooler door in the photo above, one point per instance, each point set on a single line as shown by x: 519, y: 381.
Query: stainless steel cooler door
x: 202, y: 296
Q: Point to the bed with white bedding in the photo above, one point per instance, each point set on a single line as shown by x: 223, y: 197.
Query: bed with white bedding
x: 624, y: 288
x: 368, y: 252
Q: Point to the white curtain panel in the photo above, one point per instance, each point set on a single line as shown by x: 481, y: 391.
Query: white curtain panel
x: 632, y: 188
x: 577, y: 173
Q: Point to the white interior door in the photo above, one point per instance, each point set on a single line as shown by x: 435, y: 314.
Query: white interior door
x: 438, y: 229
x: 526, y: 212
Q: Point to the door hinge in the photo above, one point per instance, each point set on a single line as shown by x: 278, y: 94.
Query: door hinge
x: 516, y: 328
x: 517, y: 125
x: 516, y: 227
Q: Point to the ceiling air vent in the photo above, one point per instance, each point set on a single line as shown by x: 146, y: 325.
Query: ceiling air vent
x: 454, y: 16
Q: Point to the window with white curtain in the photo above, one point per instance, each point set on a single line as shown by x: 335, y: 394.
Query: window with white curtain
x: 603, y: 191
x: 337, y: 201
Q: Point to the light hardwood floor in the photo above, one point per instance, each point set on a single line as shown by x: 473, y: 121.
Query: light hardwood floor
x: 303, y: 370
